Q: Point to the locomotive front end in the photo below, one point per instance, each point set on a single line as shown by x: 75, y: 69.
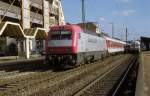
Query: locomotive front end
x: 61, y: 46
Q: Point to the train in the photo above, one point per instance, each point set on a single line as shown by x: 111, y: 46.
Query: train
x: 114, y: 45
x: 70, y: 45
x: 133, y: 47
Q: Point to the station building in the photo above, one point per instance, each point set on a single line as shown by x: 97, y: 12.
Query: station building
x: 25, y: 23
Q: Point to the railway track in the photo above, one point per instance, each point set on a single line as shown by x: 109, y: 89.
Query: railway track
x: 109, y: 83
x: 69, y: 86
x: 34, y: 83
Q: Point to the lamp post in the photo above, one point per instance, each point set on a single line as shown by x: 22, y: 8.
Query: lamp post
x: 83, y: 11
x: 126, y: 34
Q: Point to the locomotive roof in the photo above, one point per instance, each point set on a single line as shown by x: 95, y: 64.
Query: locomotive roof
x: 65, y: 27
x: 72, y: 27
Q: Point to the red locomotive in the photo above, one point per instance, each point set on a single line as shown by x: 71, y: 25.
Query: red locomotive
x: 70, y: 45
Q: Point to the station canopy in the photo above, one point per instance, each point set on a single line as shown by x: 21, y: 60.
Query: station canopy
x: 12, y: 30
x: 145, y: 43
x: 145, y: 39
x: 37, y: 33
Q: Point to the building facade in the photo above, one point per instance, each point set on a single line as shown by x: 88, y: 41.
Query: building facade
x: 33, y: 16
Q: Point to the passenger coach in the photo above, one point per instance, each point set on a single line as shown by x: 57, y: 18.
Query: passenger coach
x: 114, y: 45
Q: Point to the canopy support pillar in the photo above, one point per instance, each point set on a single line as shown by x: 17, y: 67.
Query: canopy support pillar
x: 26, y: 23
x: 27, y: 48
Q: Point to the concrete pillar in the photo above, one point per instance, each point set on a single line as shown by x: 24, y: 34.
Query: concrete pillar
x: 34, y: 45
x: 27, y: 48
x: 0, y: 19
x: 46, y: 11
x: 26, y: 22
x: 18, y: 47
x: 46, y: 15
x: 24, y: 46
x: 31, y: 43
x: 26, y: 14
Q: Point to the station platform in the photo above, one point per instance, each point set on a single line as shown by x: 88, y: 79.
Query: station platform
x: 7, y: 60
x: 143, y: 79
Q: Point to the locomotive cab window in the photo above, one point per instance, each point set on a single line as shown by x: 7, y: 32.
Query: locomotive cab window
x: 61, y: 35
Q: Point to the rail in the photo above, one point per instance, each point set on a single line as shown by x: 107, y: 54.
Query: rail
x: 124, y: 77
x: 108, y: 83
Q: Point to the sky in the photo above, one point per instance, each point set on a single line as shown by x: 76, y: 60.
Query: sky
x: 133, y: 14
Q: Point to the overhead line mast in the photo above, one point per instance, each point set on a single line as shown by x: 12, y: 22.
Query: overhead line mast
x: 126, y: 34
x: 83, y: 11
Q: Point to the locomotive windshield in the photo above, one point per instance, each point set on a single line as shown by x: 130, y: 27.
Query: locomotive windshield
x: 61, y: 35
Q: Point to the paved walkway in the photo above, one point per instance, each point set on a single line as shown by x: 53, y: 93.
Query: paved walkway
x: 143, y: 80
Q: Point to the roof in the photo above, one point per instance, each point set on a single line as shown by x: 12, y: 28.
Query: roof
x: 10, y: 29
x: 14, y: 30
x: 65, y: 27
x: 145, y: 39
x: 37, y: 33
